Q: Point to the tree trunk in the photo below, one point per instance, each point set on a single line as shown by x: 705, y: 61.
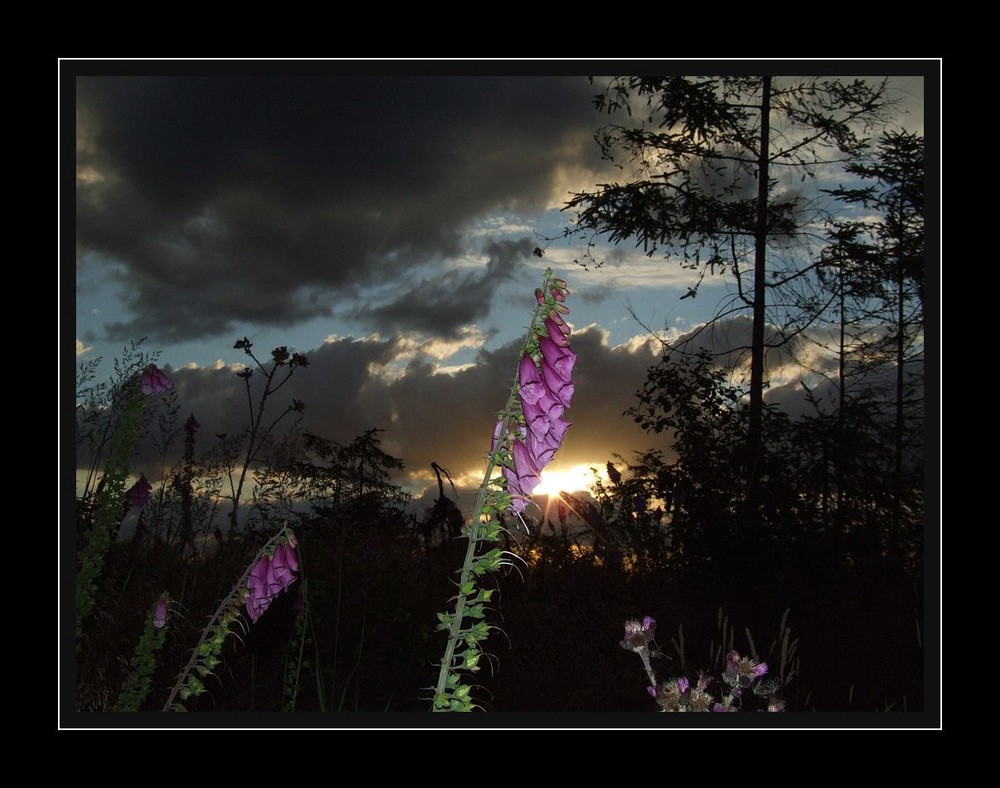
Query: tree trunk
x: 841, y: 402
x: 900, y: 378
x: 755, y: 438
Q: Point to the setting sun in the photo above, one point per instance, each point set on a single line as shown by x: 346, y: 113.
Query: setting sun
x: 576, y: 478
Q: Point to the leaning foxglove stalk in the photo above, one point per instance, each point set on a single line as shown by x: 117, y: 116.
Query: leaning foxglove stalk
x: 142, y: 666
x: 529, y: 431
x: 112, y: 495
x: 268, y: 575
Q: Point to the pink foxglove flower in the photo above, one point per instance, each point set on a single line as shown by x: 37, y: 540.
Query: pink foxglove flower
x: 269, y: 577
x: 530, y: 382
x: 257, y: 599
x: 558, y: 386
x: 160, y: 614
x: 138, y: 494
x: 545, y: 388
x: 524, y: 465
x: 558, y: 329
x: 280, y: 574
x: 562, y: 359
x: 543, y: 449
x: 154, y: 381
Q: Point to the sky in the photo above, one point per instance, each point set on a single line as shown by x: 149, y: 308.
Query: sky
x: 383, y: 225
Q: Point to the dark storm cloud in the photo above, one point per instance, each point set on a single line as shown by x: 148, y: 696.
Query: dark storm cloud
x: 354, y: 385
x: 342, y: 398
x: 451, y: 299
x: 242, y: 198
x: 449, y: 419
x: 607, y: 379
x: 424, y: 417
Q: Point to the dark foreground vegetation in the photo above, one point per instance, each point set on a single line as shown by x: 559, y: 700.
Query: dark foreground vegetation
x: 370, y: 642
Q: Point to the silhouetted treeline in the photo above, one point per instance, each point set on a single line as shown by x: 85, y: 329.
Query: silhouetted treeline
x: 671, y: 540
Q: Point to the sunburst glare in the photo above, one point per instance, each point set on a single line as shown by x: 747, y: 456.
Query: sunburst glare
x: 574, y: 479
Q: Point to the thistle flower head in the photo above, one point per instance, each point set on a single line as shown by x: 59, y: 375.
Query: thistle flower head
x: 699, y: 700
x: 742, y: 671
x: 673, y: 695
x: 639, y: 634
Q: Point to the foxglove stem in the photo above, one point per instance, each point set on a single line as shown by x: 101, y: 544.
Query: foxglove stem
x: 472, y: 534
x: 529, y: 386
x: 143, y: 663
x: 109, y: 501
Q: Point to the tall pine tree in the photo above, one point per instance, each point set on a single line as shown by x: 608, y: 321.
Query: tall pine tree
x: 716, y: 173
